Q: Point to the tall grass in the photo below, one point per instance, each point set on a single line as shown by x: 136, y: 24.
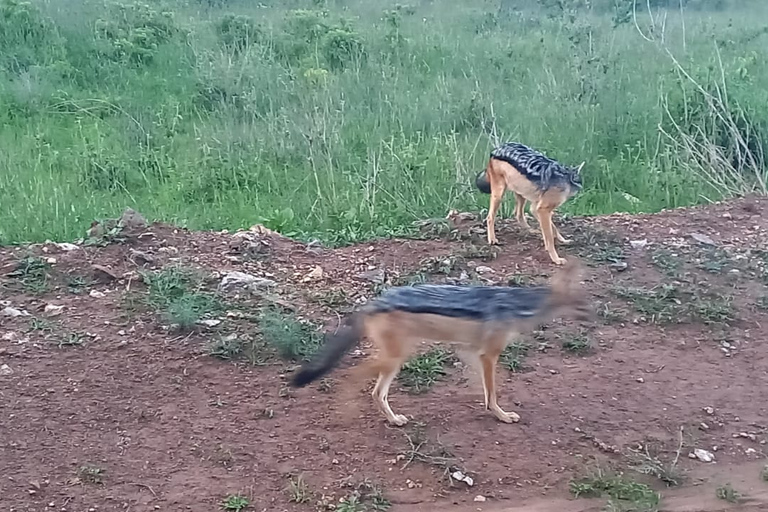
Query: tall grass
x: 349, y: 119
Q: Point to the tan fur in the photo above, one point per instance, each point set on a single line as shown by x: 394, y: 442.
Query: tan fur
x: 396, y: 336
x: 502, y: 177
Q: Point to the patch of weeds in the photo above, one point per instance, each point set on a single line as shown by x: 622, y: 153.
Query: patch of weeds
x: 578, y: 343
x: 409, y: 279
x: 298, y: 490
x: 668, y: 304
x: 728, y: 493
x: 762, y: 303
x: 646, y: 463
x: 325, y: 385
x: 610, y: 314
x: 521, y: 280
x: 72, y: 339
x: 667, y: 262
x: 597, y: 246
x: 40, y: 324
x: 76, y: 284
x: 177, y: 294
x: 438, y: 265
x: 90, y: 474
x: 623, y: 494
x: 334, y: 298
x: 422, y: 449
x: 291, y: 338
x: 33, y: 274
x: 514, y: 355
x: 478, y: 252
x: 105, y: 232
x: 235, y: 502
x: 424, y: 370
x: 233, y: 347
x: 713, y: 260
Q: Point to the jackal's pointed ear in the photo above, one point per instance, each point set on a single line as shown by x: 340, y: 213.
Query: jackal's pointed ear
x: 581, y: 165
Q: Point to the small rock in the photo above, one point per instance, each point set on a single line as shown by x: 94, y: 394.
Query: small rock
x: 13, y: 312
x: 50, y: 261
x: 479, y: 498
x: 703, y: 426
x: 709, y: 410
x: 140, y: 257
x: 376, y: 276
x: 482, y: 269
x: 703, y: 455
x: 638, y: 244
x: 53, y: 310
x: 619, y: 266
x: 234, y: 280
x: 96, y: 294
x: 64, y: 246
x: 640, y: 380
x: 6, y: 370
x: 463, y: 276
x: 315, y: 274
x: 461, y: 477
x: 209, y: 322
x: 703, y: 239
x: 101, y: 270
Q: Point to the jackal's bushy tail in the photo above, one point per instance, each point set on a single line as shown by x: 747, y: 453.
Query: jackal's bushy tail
x: 329, y: 355
x: 482, y: 183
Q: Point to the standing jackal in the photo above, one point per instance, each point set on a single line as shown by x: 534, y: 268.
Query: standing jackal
x: 533, y: 178
x: 482, y: 319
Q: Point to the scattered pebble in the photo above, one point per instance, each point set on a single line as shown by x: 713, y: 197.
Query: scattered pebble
x: 703, y: 239
x: 96, y: 294
x: 480, y: 498
x: 13, y: 312
x: 209, y: 322
x: 53, y: 310
x: 6, y: 370
x: 482, y: 269
x: 234, y: 280
x: 709, y: 410
x: 461, y: 477
x: 640, y: 380
x: 638, y: 244
x: 702, y: 455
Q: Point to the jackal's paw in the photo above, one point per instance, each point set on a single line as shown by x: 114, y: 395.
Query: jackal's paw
x: 399, y: 420
x: 493, y: 241
x: 566, y: 241
x: 558, y: 261
x: 508, y: 417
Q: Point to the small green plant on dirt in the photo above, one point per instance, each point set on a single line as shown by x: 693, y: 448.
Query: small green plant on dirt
x: 90, y: 474
x: 521, y: 280
x: 333, y: 298
x: 728, y: 493
x: 177, y: 294
x: 513, y: 357
x: 235, y: 503
x: 647, y: 462
x: 667, y: 262
x: 421, y: 372
x: 72, y: 339
x: 76, y: 284
x: 41, y: 324
x: 671, y: 304
x: 598, y: 246
x: 33, y: 274
x: 578, y: 343
x: 762, y: 303
x: 293, y: 339
x: 233, y: 347
x: 611, y: 314
x: 478, y: 252
x: 298, y: 490
x: 421, y: 448
x: 623, y: 494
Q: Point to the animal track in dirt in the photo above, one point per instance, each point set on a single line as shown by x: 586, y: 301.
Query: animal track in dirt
x: 108, y: 366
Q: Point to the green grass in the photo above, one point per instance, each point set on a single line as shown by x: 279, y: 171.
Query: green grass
x: 235, y: 502
x: 292, y: 338
x: 424, y: 370
x: 176, y: 293
x: 353, y: 121
x: 624, y: 494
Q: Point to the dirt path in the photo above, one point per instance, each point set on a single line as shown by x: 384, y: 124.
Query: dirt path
x: 104, y: 408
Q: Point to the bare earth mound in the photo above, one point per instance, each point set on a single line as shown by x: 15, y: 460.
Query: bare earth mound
x: 108, y: 406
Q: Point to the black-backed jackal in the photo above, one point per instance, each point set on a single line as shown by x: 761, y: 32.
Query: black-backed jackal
x: 533, y: 178
x: 479, y: 319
